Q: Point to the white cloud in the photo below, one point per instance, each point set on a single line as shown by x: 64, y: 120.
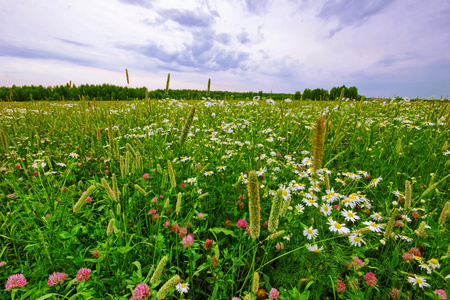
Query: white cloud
x: 284, y: 46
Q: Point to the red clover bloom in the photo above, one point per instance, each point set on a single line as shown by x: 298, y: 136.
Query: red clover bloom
x: 83, y: 274
x: 241, y: 223
x: 15, y: 281
x: 56, y: 278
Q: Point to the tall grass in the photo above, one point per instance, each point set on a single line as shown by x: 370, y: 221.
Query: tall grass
x: 160, y: 195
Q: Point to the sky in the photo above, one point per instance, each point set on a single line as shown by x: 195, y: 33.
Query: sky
x: 385, y: 48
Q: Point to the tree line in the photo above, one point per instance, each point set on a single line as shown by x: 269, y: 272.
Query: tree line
x: 112, y: 92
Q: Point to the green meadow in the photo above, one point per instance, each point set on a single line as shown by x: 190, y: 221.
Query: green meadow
x: 217, y: 199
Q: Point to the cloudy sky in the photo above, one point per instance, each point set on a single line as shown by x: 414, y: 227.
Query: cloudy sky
x: 383, y: 47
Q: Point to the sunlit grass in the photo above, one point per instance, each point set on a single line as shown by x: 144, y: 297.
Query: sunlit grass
x: 117, y: 188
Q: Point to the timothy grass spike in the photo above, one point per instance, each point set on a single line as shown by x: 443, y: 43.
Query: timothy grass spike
x: 319, y: 142
x: 275, y: 211
x: 178, y: 205
x: 255, y: 283
x: 254, y: 205
x: 167, y: 287
x: 140, y: 189
x: 187, y: 125
x: 110, y: 228
x: 83, y: 198
x: 390, y: 225
x: 444, y: 213
x: 108, y: 189
x: 407, y: 195
x: 173, y: 182
x: 159, y: 269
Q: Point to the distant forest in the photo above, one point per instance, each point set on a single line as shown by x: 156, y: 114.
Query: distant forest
x: 71, y: 92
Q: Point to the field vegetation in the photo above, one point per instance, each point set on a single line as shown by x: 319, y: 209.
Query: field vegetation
x: 224, y: 199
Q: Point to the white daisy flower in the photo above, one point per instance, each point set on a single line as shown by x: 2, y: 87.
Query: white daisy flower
x: 261, y: 171
x: 340, y: 228
x: 73, y: 155
x: 377, y: 216
x: 418, y: 280
x: 331, y: 196
x: 182, y: 287
x: 310, y: 233
x: 192, y: 180
x: 315, y: 248
x: 300, y: 208
x: 408, y: 219
x: 404, y: 237
x: 349, y: 201
x: 310, y: 202
x: 356, y: 240
x: 374, y: 226
x: 326, y: 209
x: 285, y: 192
x: 208, y: 173
x: 349, y: 215
x: 375, y: 182
x: 340, y: 181
x: 434, y: 263
x: 426, y: 267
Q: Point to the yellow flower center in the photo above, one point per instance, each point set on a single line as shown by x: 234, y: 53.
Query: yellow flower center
x: 311, y: 201
x: 434, y: 261
x: 316, y: 251
x: 310, y: 231
x: 419, y: 281
x: 285, y: 193
x: 337, y: 225
x: 325, y: 208
x: 183, y: 285
x: 350, y: 214
x: 357, y: 239
x: 373, y: 224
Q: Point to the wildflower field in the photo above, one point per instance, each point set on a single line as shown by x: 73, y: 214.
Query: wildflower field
x: 213, y: 199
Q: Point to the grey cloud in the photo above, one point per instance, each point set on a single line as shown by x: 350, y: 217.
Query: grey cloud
x: 411, y: 81
x: 391, y: 60
x: 74, y: 43
x: 141, y: 3
x: 188, y: 18
x: 202, y: 54
x: 351, y: 12
x: 256, y: 6
x: 243, y: 37
x: 10, y: 50
x: 223, y: 38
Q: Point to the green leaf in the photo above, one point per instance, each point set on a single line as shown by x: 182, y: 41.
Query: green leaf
x: 45, y: 296
x: 394, y: 261
x: 125, y: 249
x: 433, y: 224
x: 223, y: 230
x: 75, y: 230
x: 64, y: 235
x: 139, y: 268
